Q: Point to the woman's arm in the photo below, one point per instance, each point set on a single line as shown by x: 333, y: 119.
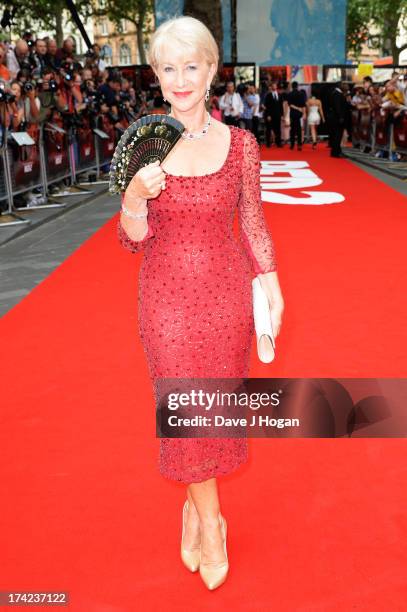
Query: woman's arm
x: 133, y: 234
x: 35, y: 105
x: 18, y: 117
x: 252, y: 223
x: 321, y: 111
x: 254, y: 232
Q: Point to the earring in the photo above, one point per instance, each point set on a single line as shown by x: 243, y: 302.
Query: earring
x: 207, y: 94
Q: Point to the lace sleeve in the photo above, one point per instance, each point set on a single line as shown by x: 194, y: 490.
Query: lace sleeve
x: 135, y: 246
x: 254, y: 232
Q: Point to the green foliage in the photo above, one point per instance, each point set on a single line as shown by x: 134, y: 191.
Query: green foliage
x: 135, y: 11
x: 377, y: 22
x: 46, y: 13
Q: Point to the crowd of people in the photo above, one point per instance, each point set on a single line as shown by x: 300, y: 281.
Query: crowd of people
x: 38, y: 80
x: 391, y: 95
x: 283, y: 110
x: 388, y: 99
x: 287, y: 113
x: 41, y: 82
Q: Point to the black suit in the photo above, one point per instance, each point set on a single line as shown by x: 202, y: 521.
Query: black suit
x: 273, y: 108
x: 337, y: 117
x: 296, y: 98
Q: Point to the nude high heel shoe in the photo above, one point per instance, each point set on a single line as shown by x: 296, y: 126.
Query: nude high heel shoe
x: 215, y: 575
x: 190, y: 558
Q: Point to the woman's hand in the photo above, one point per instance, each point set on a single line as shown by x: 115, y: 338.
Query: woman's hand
x: 271, y: 286
x: 147, y: 182
x: 276, y: 313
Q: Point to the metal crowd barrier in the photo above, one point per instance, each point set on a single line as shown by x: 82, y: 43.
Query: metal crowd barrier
x: 53, y: 155
x: 379, y: 130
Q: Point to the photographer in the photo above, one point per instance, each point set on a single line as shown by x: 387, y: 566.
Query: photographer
x: 92, y: 101
x: 141, y: 104
x: 18, y: 58
x: 39, y: 58
x: 111, y: 90
x: 126, y: 105
x: 65, y: 55
x: 8, y: 109
x: 51, y: 55
x: 70, y: 92
x: 49, y: 95
x: 27, y: 103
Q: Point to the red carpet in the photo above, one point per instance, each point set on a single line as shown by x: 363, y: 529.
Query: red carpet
x: 314, y: 525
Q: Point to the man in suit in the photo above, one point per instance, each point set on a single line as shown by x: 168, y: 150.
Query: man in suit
x: 296, y: 101
x: 337, y: 118
x: 273, y: 111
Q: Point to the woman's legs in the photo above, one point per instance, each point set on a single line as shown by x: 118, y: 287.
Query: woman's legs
x: 313, y: 134
x: 202, y: 524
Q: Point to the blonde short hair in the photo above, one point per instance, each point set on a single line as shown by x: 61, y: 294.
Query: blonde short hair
x: 183, y: 32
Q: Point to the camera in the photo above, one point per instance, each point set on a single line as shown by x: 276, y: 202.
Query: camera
x: 53, y: 85
x: 68, y: 77
x: 6, y: 97
x: 92, y: 102
x: 29, y: 86
x: 27, y: 63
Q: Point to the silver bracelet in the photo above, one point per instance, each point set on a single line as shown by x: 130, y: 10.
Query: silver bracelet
x: 132, y: 215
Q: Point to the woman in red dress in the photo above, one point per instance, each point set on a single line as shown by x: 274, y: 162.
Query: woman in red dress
x: 195, y: 292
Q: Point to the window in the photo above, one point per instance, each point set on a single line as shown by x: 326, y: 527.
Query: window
x: 103, y: 27
x: 107, y: 54
x: 125, y: 54
x: 123, y: 26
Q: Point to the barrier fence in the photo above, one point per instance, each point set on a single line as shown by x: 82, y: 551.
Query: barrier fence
x: 49, y: 153
x: 379, y: 130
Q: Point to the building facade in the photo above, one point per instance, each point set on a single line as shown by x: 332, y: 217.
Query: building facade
x: 118, y: 44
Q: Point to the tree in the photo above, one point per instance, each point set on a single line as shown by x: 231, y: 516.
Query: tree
x: 48, y: 15
x: 137, y: 12
x: 378, y: 22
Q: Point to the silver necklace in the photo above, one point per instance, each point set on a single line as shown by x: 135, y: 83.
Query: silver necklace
x: 193, y: 135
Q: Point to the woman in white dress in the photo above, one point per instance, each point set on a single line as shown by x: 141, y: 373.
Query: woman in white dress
x: 314, y: 115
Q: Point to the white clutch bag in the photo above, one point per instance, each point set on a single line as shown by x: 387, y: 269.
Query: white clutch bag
x: 262, y: 323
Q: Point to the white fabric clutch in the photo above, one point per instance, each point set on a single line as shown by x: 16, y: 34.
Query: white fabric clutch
x: 262, y: 323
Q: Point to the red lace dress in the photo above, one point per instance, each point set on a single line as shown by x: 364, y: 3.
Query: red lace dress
x: 195, y: 294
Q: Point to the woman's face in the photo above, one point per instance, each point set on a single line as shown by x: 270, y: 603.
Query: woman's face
x: 16, y: 90
x: 186, y: 72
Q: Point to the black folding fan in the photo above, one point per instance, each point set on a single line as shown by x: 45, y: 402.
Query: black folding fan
x: 149, y: 138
